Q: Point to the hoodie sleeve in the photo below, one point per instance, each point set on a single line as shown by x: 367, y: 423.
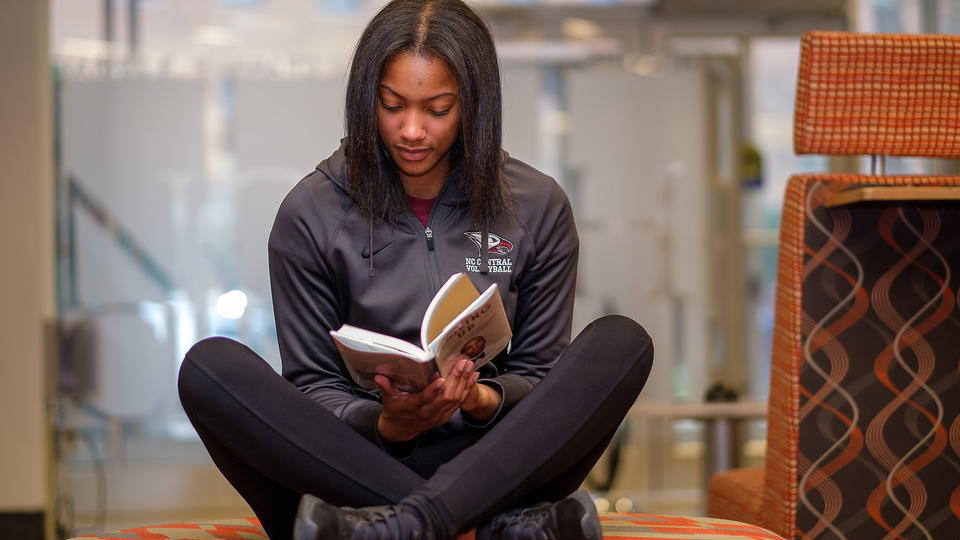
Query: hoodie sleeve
x: 306, y: 308
x: 545, y: 299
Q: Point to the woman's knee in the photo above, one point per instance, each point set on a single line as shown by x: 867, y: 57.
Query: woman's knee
x: 209, y: 353
x: 204, y: 361
x: 619, y: 345
x: 616, y: 344
x: 622, y: 334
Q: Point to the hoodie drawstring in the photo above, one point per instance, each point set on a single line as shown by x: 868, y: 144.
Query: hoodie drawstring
x: 370, y: 247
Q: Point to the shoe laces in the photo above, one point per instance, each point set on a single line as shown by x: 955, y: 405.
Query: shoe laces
x: 531, y: 523
x: 380, y: 523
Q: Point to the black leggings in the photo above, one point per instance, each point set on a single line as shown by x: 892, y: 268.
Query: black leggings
x: 274, y: 444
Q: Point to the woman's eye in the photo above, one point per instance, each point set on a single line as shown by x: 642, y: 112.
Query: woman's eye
x: 440, y: 113
x: 390, y: 108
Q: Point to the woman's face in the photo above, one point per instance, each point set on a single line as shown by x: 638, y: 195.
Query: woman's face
x: 418, y: 117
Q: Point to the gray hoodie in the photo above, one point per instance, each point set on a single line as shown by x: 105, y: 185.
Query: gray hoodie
x: 321, y: 277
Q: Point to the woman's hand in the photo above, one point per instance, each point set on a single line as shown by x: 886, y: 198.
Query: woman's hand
x: 482, y: 402
x: 405, y: 416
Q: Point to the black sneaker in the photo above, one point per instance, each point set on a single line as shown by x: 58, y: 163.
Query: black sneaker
x: 317, y: 520
x: 573, y: 518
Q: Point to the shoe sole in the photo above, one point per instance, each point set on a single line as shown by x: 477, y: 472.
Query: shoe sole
x: 589, y: 522
x: 304, y: 529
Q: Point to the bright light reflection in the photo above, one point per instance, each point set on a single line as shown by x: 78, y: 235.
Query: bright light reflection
x: 232, y: 304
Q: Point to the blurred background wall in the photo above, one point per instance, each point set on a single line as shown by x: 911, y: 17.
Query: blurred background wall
x: 162, y: 134
x: 26, y: 267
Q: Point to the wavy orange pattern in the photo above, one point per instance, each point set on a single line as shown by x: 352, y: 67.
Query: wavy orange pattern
x: 911, y: 334
x: 904, y: 367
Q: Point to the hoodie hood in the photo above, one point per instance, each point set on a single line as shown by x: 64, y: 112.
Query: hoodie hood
x: 335, y: 167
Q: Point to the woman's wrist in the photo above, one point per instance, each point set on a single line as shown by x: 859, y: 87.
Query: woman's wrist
x: 485, y: 405
x: 391, y: 432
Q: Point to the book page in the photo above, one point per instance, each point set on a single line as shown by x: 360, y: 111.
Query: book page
x: 480, y: 333
x: 453, y: 297
x: 405, y: 374
x: 366, y: 340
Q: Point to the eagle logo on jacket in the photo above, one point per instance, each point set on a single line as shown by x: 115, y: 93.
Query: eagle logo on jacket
x: 496, y: 244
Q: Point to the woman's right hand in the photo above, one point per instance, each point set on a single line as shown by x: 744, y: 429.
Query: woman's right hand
x: 405, y: 415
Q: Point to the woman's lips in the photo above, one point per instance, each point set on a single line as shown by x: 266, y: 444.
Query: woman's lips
x: 412, y: 154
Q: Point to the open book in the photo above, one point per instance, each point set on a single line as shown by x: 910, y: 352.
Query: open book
x: 460, y: 322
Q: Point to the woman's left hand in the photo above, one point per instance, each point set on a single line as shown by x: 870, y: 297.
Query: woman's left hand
x: 482, y: 402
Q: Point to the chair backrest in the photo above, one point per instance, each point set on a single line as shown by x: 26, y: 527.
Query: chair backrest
x: 887, y: 94
x: 864, y: 421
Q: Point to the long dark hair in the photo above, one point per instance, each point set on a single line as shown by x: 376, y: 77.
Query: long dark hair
x: 451, y: 31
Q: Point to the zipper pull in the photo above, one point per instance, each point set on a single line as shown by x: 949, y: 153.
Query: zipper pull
x: 429, y: 232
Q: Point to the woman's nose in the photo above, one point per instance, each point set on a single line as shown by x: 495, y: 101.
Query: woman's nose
x: 412, y: 128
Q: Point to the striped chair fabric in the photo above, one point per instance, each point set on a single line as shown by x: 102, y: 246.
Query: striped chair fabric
x: 615, y: 527
x: 864, y: 416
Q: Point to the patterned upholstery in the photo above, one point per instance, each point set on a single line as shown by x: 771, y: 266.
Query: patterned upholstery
x: 889, y: 94
x: 735, y: 494
x: 615, y: 527
x: 652, y: 526
x: 864, y: 424
x: 224, y: 529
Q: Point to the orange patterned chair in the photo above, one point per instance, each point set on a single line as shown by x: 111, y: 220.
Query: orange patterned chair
x: 864, y: 414
x: 615, y: 527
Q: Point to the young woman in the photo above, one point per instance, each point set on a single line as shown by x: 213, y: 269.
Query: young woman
x: 419, y: 189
